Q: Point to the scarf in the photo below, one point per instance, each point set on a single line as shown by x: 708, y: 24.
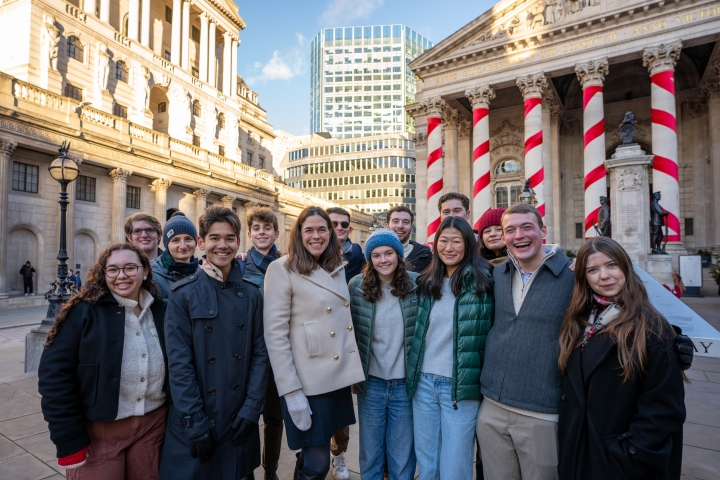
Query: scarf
x: 211, y: 270
x: 598, y: 322
x: 262, y: 262
x: 182, y: 269
x: 346, y: 247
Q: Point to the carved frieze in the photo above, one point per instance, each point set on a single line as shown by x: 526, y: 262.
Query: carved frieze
x: 507, y: 125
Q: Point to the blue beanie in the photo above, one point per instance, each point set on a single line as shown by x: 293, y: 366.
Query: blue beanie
x: 383, y: 237
x: 177, y: 225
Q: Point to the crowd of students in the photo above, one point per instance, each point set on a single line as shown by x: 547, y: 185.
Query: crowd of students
x: 483, y: 344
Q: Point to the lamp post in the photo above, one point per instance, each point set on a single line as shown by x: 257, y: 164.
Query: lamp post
x: 528, y: 195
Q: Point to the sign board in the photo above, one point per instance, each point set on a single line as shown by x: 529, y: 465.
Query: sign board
x: 691, y: 270
x: 703, y: 335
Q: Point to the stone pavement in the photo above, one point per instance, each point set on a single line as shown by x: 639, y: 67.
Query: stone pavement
x: 26, y: 452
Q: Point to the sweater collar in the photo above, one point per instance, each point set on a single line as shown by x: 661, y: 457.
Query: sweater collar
x: 145, y: 301
x: 555, y: 260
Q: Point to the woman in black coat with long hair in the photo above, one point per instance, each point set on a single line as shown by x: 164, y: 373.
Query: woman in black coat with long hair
x: 623, y: 402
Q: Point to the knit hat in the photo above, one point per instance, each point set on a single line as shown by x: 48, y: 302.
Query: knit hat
x: 490, y: 218
x: 383, y: 237
x: 178, y: 224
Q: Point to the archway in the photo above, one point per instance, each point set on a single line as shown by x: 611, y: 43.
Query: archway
x: 85, y: 255
x: 160, y: 106
x: 169, y: 213
x: 22, y: 245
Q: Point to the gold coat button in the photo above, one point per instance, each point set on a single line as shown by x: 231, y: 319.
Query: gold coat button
x: 332, y: 334
x: 350, y: 328
x: 346, y: 304
x: 329, y: 309
x: 336, y: 357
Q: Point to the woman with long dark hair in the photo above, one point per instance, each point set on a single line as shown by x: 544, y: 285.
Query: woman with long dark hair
x: 311, y: 342
x: 103, y: 372
x: 622, y: 409
x: 448, y: 347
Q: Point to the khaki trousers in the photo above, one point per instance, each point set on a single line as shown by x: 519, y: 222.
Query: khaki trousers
x: 516, y: 447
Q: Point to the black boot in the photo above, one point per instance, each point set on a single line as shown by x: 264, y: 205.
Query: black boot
x: 271, y: 476
x: 307, y: 474
x: 479, y: 470
x: 299, y: 463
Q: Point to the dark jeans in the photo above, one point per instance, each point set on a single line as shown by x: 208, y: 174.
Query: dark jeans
x: 27, y: 285
x: 273, y: 428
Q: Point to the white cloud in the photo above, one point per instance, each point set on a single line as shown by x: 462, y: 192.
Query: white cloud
x: 283, y: 65
x: 340, y: 12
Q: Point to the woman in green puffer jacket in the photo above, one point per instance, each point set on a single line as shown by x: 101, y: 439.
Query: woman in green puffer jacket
x: 448, y: 347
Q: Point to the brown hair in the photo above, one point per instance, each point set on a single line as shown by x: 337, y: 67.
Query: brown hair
x: 454, y: 196
x: 372, y: 285
x: 338, y: 211
x: 299, y: 259
x: 522, y: 208
x: 142, y: 217
x: 96, y: 287
x: 261, y: 215
x: 400, y: 208
x: 636, y: 323
x: 218, y: 214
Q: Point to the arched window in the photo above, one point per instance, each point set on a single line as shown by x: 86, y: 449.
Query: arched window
x: 197, y: 108
x: 75, y: 49
x: 221, y: 121
x: 162, y: 107
x: 125, y: 24
x: 508, y: 167
x: 121, y: 71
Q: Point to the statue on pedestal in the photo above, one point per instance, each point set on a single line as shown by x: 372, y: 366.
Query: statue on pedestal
x: 627, y: 128
x: 604, y: 223
x: 657, y: 220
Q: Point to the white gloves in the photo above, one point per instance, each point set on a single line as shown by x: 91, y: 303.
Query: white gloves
x: 299, y: 409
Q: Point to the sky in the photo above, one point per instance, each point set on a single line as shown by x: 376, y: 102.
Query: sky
x: 274, y: 52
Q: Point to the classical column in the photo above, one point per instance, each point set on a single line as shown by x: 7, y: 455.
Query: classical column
x: 211, y: 77
x: 228, y: 201
x: 482, y: 196
x: 204, y: 17
x: 145, y: 23
x: 465, y: 158
x: 6, y: 149
x: 591, y: 76
x: 134, y: 20
x: 89, y: 6
x: 420, y: 140
x: 532, y: 87
x: 433, y: 108
x: 233, y: 66
x: 160, y: 187
x: 105, y: 11
x: 201, y: 203
x: 548, y: 104
x: 175, y: 44
x: 451, y: 181
x: 661, y: 65
x: 226, y: 65
x: 120, y: 178
x: 711, y: 89
x: 185, y: 36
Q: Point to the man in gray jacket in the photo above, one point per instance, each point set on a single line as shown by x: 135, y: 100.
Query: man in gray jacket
x: 520, y: 380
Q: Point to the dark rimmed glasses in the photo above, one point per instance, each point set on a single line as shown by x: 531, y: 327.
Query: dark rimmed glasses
x: 130, y: 270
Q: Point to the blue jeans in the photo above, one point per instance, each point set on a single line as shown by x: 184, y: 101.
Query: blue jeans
x: 444, y: 437
x: 386, y: 418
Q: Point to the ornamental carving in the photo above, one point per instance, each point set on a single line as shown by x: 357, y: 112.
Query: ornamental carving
x: 102, y: 66
x: 662, y: 58
x: 201, y: 193
x: 228, y: 200
x: 629, y: 178
x: 711, y: 86
x: 120, y: 175
x: 507, y: 125
x: 592, y: 73
x: 50, y: 40
x: 420, y: 140
x: 464, y: 129
x: 160, y: 184
x: 506, y: 139
x: 450, y: 117
x: 434, y: 106
x: 532, y: 85
x: 480, y: 96
x: 6, y: 148
x: 568, y: 126
x: 696, y: 109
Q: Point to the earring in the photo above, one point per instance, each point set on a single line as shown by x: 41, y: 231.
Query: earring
x: 144, y: 278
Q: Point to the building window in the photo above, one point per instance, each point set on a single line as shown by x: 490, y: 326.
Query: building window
x: 689, y: 226
x: 119, y: 110
x: 85, y: 188
x: 195, y: 35
x: 73, y: 92
x: 196, y: 140
x: 121, y: 72
x: 168, y: 14
x: 132, y: 199
x: 249, y: 138
x: 168, y: 57
x: 75, y: 49
x: 501, y: 197
x: 197, y: 108
x: 25, y: 177
x: 221, y: 150
x: 221, y: 121
x: 579, y: 230
x: 249, y: 158
x: 261, y: 163
x: 162, y: 107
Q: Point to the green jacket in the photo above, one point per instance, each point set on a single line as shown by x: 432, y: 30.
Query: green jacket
x: 472, y: 320
x: 363, y: 317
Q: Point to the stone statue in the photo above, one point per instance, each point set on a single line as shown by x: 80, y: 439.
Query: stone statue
x: 604, y: 223
x: 146, y: 87
x: 102, y: 66
x: 627, y: 129
x: 212, y: 121
x: 657, y: 220
x: 52, y: 39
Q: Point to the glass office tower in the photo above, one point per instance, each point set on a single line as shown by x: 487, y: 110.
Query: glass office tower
x: 360, y: 80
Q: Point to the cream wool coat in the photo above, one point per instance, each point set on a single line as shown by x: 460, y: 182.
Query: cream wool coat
x: 309, y: 331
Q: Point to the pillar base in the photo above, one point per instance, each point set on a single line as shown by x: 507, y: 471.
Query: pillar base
x: 660, y: 268
x: 35, y: 340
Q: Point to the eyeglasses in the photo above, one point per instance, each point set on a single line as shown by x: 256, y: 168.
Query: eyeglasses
x: 130, y: 270
x: 342, y: 224
x: 137, y: 232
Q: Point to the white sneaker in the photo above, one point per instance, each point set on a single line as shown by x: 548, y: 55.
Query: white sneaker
x: 26, y: 294
x: 339, y: 470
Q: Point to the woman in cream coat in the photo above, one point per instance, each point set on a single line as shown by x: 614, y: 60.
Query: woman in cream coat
x: 311, y: 342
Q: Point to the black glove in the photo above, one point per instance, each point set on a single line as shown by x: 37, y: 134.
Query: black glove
x: 685, y: 348
x: 203, y: 446
x: 241, y: 429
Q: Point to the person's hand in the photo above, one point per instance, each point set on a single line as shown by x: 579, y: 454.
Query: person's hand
x: 74, y: 460
x: 685, y: 348
x: 299, y: 410
x: 242, y: 428
x: 572, y: 266
x: 203, y: 446
x: 241, y: 256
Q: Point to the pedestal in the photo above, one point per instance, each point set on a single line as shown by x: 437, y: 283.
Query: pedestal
x: 660, y: 268
x: 35, y: 340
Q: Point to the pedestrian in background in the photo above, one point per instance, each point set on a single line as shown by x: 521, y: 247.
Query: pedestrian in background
x: 311, y: 342
x: 144, y: 230
x: 102, y: 374
x: 27, y: 272
x: 623, y: 400
x: 448, y: 347
x: 78, y: 280
x: 400, y: 220
x: 178, y: 261
x: 384, y: 304
x: 492, y: 247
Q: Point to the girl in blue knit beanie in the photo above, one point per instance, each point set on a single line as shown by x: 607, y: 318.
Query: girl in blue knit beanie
x: 179, y: 237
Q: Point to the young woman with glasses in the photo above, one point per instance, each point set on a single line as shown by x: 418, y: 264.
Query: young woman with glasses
x: 103, y: 372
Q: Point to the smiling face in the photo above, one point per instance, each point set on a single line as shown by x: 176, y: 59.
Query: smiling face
x: 385, y: 261
x: 603, y: 275
x: 182, y: 247
x: 262, y: 235
x: 341, y: 224
x: 124, y: 285
x: 401, y: 224
x: 451, y: 249
x: 220, y: 246
x: 454, y: 208
x: 492, y: 238
x: 146, y: 240
x: 315, y: 235
x: 523, y: 237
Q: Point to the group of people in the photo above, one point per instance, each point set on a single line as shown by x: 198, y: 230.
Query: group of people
x: 486, y: 345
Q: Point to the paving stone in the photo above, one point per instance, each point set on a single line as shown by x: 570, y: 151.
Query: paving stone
x: 9, y: 392
x: 29, y: 385
x: 700, y: 463
x: 698, y: 398
x: 702, y: 436
x: 23, y: 427
x: 713, y: 376
x: 40, y: 446
x: 19, y: 407
x: 709, y: 387
x: 702, y: 363
x: 24, y: 467
x: 696, y: 375
x: 9, y: 449
x: 702, y: 415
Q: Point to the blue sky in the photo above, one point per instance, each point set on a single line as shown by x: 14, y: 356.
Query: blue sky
x: 274, y: 52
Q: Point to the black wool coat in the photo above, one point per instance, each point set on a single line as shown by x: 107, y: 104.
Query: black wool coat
x: 614, y: 430
x: 79, y: 373
x: 419, y: 258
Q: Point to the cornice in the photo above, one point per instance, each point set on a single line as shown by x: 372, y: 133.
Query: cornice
x: 235, y: 19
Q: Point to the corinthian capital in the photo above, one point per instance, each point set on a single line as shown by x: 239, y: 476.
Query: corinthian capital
x: 6, y: 148
x: 532, y: 86
x: 480, y: 96
x: 120, y: 175
x: 202, y: 193
x: 450, y: 117
x: 228, y: 201
x: 160, y: 184
x: 592, y: 73
x: 662, y: 58
x: 434, y: 106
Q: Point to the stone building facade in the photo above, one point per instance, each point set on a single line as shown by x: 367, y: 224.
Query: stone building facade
x: 537, y: 89
x: 148, y: 96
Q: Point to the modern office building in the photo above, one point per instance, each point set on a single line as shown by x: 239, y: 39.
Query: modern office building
x: 360, y: 80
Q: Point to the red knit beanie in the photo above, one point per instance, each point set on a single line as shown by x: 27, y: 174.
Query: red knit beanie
x: 490, y: 218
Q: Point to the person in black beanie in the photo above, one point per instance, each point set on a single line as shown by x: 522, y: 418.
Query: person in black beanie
x: 179, y: 237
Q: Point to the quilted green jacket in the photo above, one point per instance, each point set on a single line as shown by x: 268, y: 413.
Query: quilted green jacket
x: 472, y: 320
x: 363, y: 317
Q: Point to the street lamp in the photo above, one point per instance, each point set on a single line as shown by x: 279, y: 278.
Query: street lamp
x: 528, y: 195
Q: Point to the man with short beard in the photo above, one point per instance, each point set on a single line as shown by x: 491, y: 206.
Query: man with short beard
x: 143, y: 230
x: 400, y: 221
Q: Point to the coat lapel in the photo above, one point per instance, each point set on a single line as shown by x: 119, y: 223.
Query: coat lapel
x: 596, y: 351
x: 326, y: 280
x: 573, y: 374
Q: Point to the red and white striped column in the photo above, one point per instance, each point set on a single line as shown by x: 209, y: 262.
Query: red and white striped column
x: 661, y: 65
x: 591, y: 76
x: 482, y: 196
x: 433, y: 109
x: 532, y: 87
